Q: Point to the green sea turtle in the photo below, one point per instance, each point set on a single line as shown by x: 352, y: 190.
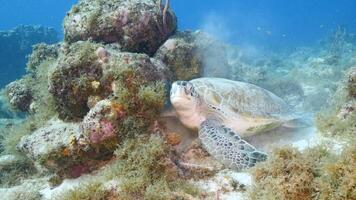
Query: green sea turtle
x: 225, y: 111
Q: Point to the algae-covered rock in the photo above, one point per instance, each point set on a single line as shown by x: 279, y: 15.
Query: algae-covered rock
x: 85, y: 73
x: 100, y: 124
x: 19, y: 94
x: 40, y: 53
x: 33, y: 87
x: 63, y: 148
x: 76, y: 77
x: 191, y: 55
x: 136, y: 25
x: 196, y: 162
x: 181, y: 54
x: 50, y: 142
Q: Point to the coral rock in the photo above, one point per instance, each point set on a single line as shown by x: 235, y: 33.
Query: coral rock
x: 19, y: 94
x: 136, y: 25
x: 71, y: 81
x: 180, y: 53
x: 88, y: 69
x: 99, y: 125
x: 346, y: 111
x: 191, y: 55
x: 50, y: 142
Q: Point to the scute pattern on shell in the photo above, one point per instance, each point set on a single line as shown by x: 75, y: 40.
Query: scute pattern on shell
x: 243, y: 98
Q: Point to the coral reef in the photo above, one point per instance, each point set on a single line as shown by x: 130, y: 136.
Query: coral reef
x: 137, y: 26
x: 38, y: 103
x: 94, y: 103
x: 16, y: 44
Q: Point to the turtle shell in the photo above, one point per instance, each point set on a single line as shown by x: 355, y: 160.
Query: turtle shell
x: 242, y: 98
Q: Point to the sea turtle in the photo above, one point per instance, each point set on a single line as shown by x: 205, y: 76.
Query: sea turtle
x: 224, y: 111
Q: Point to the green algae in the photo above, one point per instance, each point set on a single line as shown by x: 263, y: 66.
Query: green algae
x: 42, y: 107
x: 11, y: 175
x: 317, y: 173
x: 141, y: 100
x: 78, y: 67
x: 88, y: 191
x: 141, y: 167
x: 139, y: 171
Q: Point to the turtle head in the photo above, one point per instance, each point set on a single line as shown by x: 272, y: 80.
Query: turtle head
x: 183, y: 95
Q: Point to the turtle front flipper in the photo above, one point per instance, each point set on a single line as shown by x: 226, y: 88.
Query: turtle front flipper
x: 227, y: 147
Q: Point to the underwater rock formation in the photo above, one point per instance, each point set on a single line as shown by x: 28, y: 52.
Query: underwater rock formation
x: 99, y: 125
x: 196, y: 162
x: 24, y: 94
x: 51, y: 144
x: 74, y: 78
x: 86, y: 71
x: 136, y: 25
x: 40, y: 53
x: 16, y: 44
x: 181, y: 54
x: 63, y: 148
x: 317, y: 173
x: 19, y: 94
x: 191, y: 55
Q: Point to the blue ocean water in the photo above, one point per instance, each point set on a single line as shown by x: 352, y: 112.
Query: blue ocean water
x: 274, y: 23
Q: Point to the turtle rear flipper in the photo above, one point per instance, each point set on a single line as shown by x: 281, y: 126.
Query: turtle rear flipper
x: 227, y: 146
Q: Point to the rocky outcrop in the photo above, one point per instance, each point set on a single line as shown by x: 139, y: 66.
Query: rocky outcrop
x: 19, y: 94
x: 62, y: 148
x: 136, y: 25
x: 85, y: 73
x: 191, y: 55
x: 181, y: 54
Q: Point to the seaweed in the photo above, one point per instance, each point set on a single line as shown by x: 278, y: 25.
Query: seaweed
x: 88, y: 191
x: 18, y: 170
x: 317, y: 173
x: 78, y: 67
x: 141, y: 167
x: 42, y: 108
x: 140, y: 99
